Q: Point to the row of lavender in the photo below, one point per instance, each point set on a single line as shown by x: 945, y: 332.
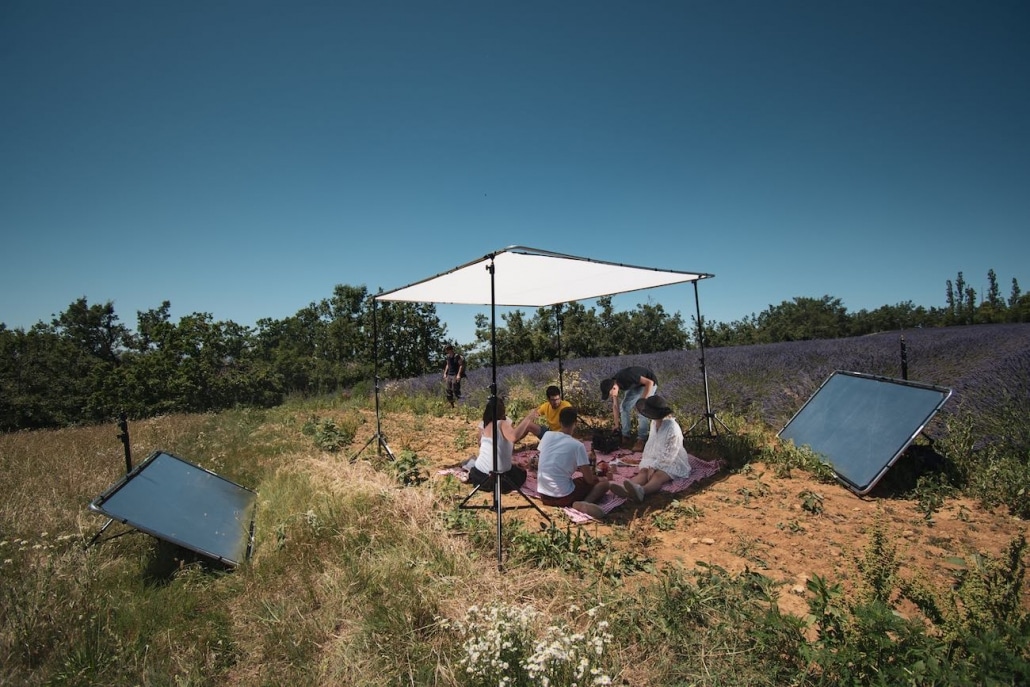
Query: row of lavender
x: 986, y: 366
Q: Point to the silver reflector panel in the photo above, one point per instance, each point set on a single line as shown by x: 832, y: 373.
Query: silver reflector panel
x: 861, y: 424
x: 182, y: 503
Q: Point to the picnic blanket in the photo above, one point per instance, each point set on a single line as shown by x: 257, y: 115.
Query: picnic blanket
x: 622, y: 465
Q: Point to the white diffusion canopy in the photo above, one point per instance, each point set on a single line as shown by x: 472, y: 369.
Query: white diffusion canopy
x: 529, y: 277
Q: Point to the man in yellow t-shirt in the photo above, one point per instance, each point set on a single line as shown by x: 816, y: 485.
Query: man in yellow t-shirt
x: 550, y: 410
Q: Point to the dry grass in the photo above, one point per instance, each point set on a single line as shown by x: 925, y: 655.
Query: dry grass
x: 353, y: 579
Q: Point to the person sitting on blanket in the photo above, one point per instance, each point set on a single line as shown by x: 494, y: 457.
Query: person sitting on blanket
x: 664, y: 458
x: 561, y: 455
x: 551, y: 410
x: 481, y: 473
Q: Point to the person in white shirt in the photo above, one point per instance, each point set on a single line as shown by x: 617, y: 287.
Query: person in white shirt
x: 561, y: 456
x: 512, y: 476
x: 664, y: 458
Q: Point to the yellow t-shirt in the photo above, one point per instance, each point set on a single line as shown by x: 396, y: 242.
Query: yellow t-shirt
x: 550, y: 413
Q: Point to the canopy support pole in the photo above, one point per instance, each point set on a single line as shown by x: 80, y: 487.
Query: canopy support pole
x: 709, y: 417
x: 495, y: 473
x: 558, y: 324
x: 378, y: 437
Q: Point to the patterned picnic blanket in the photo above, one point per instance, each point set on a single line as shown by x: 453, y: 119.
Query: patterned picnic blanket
x: 622, y: 465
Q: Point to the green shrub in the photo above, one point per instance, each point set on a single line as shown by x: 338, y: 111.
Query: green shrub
x: 408, y: 469
x: 328, y: 435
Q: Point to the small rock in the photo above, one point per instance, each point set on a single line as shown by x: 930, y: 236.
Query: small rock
x: 708, y: 540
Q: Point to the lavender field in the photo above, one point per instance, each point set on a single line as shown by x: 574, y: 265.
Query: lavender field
x: 986, y: 366
x: 984, y: 423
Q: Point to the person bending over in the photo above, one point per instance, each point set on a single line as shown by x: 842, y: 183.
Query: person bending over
x: 664, y: 458
x: 550, y: 410
x: 561, y: 455
x: 512, y: 476
x: 637, y: 382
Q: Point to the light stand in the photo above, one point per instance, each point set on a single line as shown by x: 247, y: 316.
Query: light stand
x: 378, y: 437
x: 904, y: 359
x: 123, y: 436
x: 558, y: 324
x: 708, y: 415
x: 495, y: 473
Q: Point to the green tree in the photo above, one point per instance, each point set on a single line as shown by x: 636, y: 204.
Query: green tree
x: 583, y: 335
x: 97, y: 340
x: 197, y: 365
x: 905, y: 315
x: 411, y: 339
x: 1014, y: 294
x: 803, y: 319
x: 289, y: 347
x: 37, y: 386
x: 992, y: 308
x: 92, y: 328
x: 615, y: 325
x: 951, y: 304
x: 655, y: 330
x: 516, y: 346
x: 742, y: 332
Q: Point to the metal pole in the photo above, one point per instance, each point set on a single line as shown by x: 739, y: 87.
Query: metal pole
x: 493, y: 406
x: 561, y: 372
x: 904, y: 358
x: 123, y: 425
x: 375, y: 373
x: 704, y: 370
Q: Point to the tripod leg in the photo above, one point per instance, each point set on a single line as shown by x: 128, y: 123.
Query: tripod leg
x: 97, y: 535
x: 362, y: 450
x: 531, y: 502
x: 386, y: 447
x: 526, y: 497
x: 470, y: 495
x: 699, y: 421
x: 712, y: 420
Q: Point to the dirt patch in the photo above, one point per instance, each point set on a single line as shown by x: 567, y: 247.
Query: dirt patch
x: 788, y: 528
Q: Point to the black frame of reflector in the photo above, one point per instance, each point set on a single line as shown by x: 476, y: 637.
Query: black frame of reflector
x: 830, y: 432
x: 234, y: 500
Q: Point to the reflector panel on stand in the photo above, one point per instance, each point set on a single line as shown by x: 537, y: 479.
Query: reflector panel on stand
x: 182, y: 503
x: 861, y: 424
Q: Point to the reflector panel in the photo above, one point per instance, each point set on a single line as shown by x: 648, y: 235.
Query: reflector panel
x: 182, y: 503
x: 861, y: 424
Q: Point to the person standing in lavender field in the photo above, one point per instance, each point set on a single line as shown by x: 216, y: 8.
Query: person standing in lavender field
x: 453, y: 373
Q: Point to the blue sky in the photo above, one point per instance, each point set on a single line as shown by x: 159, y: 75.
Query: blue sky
x: 243, y: 158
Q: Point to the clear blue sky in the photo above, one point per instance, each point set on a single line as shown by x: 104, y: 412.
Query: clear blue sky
x: 243, y: 158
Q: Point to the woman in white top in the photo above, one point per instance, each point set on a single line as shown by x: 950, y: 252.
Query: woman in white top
x: 664, y: 458
x: 512, y: 476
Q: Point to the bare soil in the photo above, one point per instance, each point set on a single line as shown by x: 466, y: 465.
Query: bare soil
x: 752, y: 519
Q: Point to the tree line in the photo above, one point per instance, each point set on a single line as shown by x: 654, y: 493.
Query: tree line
x: 85, y: 366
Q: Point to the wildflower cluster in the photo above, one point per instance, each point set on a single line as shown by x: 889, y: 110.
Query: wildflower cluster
x: 500, y: 649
